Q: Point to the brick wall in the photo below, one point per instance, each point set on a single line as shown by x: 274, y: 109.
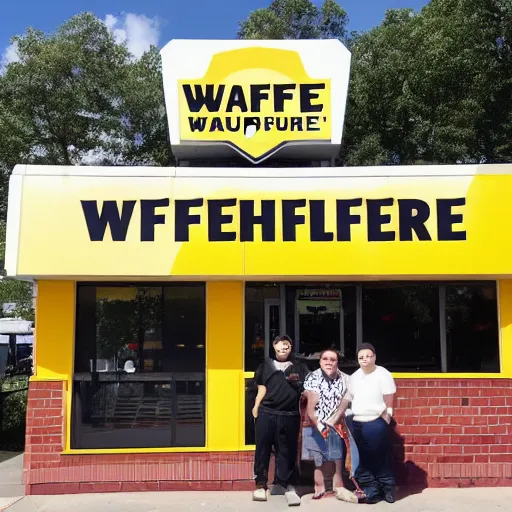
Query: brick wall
x: 449, y: 433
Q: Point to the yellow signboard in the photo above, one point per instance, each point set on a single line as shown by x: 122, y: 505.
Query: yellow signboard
x: 256, y: 100
x: 279, y: 227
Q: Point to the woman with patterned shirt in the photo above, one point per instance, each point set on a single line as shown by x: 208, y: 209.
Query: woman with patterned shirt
x: 325, y: 389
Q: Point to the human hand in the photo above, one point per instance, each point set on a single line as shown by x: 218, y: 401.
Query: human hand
x: 255, y: 412
x: 386, y: 417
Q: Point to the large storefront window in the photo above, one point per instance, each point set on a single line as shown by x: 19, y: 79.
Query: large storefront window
x: 139, y: 366
x: 415, y: 327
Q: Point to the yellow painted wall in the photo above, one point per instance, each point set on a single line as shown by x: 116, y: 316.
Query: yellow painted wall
x: 224, y: 363
x: 505, y: 322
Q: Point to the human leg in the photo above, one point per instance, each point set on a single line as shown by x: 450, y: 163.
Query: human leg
x: 265, y: 432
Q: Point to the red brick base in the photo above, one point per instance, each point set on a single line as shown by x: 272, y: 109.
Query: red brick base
x: 450, y: 433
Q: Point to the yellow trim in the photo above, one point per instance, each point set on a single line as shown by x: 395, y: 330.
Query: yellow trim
x: 105, y: 451
x: 224, y: 363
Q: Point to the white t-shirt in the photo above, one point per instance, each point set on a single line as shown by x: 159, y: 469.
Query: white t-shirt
x: 366, y: 392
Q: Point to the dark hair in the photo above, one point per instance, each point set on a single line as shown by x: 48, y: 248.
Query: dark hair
x: 367, y: 346
x: 333, y: 350
x: 284, y: 337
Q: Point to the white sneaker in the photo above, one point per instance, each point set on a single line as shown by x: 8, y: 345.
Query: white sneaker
x: 259, y: 495
x: 292, y: 498
x: 345, y: 495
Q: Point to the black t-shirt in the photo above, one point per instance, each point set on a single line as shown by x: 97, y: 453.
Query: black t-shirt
x: 283, y: 394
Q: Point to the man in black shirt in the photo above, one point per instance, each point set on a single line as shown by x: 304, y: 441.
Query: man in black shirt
x: 277, y: 414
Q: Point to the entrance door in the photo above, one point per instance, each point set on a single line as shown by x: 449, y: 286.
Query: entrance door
x: 272, y: 318
x: 319, y: 320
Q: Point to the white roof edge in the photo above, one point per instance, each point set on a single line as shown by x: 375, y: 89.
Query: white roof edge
x: 265, y: 172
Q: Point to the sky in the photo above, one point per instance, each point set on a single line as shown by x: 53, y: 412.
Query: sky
x: 141, y: 24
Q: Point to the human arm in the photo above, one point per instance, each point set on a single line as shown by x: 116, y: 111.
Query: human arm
x: 312, y: 397
x: 262, y: 391
x: 340, y: 412
x: 388, y: 389
x: 388, y: 400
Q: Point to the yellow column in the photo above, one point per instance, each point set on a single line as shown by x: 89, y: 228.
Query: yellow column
x: 55, y: 330
x: 505, y: 302
x: 224, y: 364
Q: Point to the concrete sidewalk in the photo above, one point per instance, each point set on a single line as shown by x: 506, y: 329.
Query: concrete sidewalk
x: 430, y: 500
x: 11, y: 488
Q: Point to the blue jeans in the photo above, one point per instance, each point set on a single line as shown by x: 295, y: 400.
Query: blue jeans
x: 374, y: 473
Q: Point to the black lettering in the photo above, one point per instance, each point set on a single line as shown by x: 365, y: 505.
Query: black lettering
x: 229, y: 125
x: 97, y: 222
x: 258, y: 93
x: 412, y: 215
x: 196, y: 103
x: 269, y: 122
x: 216, y: 125
x: 306, y: 96
x: 317, y: 222
x: 311, y: 124
x: 291, y: 219
x: 216, y: 219
x: 199, y: 124
x: 267, y: 219
x: 280, y: 95
x: 236, y: 99
x: 344, y: 219
x: 376, y: 220
x: 296, y: 123
x: 149, y: 219
x: 446, y: 219
x: 282, y: 124
x: 183, y: 219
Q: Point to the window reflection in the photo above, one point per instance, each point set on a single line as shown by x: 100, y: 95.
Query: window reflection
x: 472, y: 328
x: 402, y: 322
x: 139, y: 366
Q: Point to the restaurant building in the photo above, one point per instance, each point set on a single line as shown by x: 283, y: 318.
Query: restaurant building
x: 159, y: 290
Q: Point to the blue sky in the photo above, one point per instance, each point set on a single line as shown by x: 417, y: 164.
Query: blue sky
x: 161, y: 20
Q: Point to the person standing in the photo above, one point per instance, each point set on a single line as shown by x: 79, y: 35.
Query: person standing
x: 325, y: 389
x: 371, y: 392
x: 277, y: 415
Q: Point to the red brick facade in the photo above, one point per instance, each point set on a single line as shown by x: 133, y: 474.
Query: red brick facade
x: 455, y: 432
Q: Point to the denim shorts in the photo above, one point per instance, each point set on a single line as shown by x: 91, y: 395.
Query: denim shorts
x: 320, y: 450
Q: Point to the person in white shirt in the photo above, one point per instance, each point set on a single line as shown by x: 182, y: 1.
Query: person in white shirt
x: 371, y: 391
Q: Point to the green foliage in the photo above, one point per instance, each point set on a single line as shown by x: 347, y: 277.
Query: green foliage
x: 13, y: 409
x: 433, y: 87
x: 295, y: 19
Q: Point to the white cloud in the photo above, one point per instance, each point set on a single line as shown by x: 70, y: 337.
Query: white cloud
x: 136, y: 30
x: 11, y: 54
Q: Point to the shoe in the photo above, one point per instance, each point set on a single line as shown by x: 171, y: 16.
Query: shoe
x: 292, y: 498
x: 389, y: 497
x: 345, y: 495
x: 277, y: 490
x: 372, y: 499
x: 259, y: 495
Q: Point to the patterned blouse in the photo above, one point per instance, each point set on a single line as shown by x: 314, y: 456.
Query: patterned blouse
x: 330, y: 391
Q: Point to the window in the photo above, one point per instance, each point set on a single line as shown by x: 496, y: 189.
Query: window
x: 402, y: 322
x: 139, y: 366
x: 472, y: 328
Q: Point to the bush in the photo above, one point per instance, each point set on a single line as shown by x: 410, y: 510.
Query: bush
x: 13, y: 410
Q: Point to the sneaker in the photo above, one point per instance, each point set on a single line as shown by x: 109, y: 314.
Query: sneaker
x: 389, y: 497
x: 277, y: 490
x: 292, y: 498
x: 259, y: 495
x: 345, y: 495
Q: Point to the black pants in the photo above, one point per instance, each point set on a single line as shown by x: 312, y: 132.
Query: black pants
x: 281, y: 432
x: 374, y: 473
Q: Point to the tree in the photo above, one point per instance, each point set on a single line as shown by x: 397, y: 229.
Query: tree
x: 78, y: 97
x: 295, y: 19
x: 433, y: 87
